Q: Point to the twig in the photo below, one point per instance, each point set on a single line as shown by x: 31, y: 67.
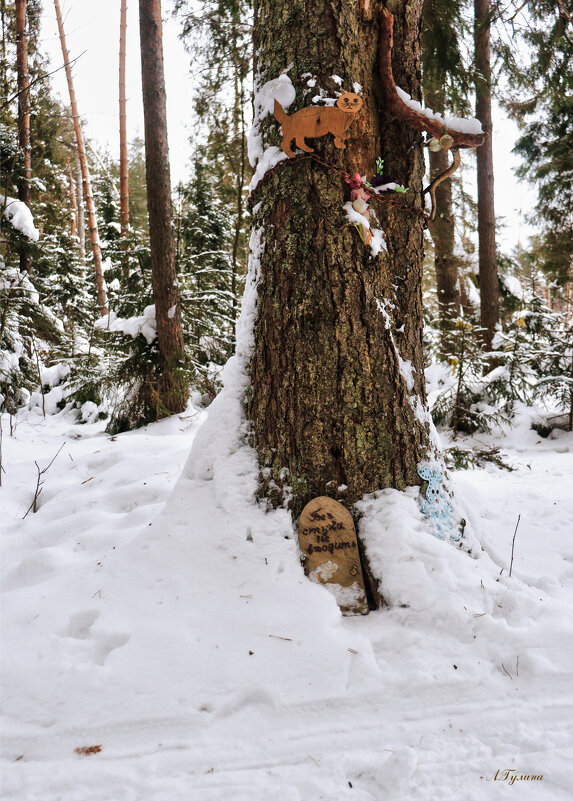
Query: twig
x: 513, y: 544
x: 39, y: 78
x: 39, y: 483
x: 509, y: 674
x: 276, y: 637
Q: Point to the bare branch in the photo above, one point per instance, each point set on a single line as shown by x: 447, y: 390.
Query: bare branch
x: 416, y: 119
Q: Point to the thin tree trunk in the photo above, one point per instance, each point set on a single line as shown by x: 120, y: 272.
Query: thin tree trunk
x: 5, y: 85
x: 73, y: 200
x: 81, y: 208
x: 442, y: 230
x: 86, y: 182
x: 173, y: 389
x: 23, y: 117
x: 239, y: 125
x: 489, y: 291
x: 337, y: 396
x: 123, y: 162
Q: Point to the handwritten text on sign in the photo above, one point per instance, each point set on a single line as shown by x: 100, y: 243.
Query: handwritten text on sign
x: 330, y: 553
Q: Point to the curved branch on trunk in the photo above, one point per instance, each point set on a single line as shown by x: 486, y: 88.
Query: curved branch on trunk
x: 418, y: 121
x: 442, y: 177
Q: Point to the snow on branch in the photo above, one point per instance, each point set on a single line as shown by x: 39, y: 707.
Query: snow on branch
x: 20, y: 216
x: 465, y: 133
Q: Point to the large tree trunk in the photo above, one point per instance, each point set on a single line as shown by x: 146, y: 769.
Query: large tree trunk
x: 489, y: 291
x: 23, y: 117
x: 337, y: 391
x: 86, y: 182
x: 173, y: 388
x: 123, y: 162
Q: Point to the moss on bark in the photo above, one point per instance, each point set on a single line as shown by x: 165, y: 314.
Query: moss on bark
x: 330, y: 404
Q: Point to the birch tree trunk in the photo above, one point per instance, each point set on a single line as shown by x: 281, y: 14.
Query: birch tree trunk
x: 337, y: 396
x: 173, y: 387
x: 23, y: 117
x: 489, y: 291
x: 123, y: 162
x: 86, y: 182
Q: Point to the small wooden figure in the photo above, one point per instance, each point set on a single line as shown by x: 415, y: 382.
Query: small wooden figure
x: 316, y: 121
x: 329, y: 548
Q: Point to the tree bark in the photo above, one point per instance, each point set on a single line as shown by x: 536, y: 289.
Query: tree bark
x: 173, y: 389
x: 489, y: 291
x: 442, y: 229
x: 23, y: 117
x: 86, y: 182
x: 337, y: 396
x: 123, y: 161
x: 72, y: 200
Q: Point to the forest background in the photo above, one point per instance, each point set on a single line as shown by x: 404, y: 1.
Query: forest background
x: 51, y: 339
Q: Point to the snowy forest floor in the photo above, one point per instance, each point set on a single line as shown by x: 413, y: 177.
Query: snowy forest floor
x: 154, y: 614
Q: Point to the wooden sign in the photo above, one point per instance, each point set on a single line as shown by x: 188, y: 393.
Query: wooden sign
x: 329, y: 547
x: 316, y: 121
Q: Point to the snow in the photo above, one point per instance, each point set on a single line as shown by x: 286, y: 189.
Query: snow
x: 20, y: 216
x: 269, y: 158
x: 378, y: 240
x: 161, y: 614
x: 513, y: 285
x: 144, y: 324
x: 280, y: 89
x: 469, y: 126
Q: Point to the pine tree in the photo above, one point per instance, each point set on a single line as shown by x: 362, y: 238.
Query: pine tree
x: 209, y: 285
x: 172, y: 388
x: 542, y: 105
x: 488, y: 280
x: 336, y: 391
x: 219, y: 39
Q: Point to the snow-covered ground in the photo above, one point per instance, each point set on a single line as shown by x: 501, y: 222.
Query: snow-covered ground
x: 152, y: 609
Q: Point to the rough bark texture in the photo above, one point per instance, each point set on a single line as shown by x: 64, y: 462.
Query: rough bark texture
x: 329, y: 404
x: 86, y: 181
x: 23, y: 116
x: 173, y: 388
x: 123, y: 162
x: 489, y: 291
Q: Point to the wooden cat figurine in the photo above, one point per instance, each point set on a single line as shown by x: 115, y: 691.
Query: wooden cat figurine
x: 316, y: 121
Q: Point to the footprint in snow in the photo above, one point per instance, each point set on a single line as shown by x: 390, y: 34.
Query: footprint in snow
x: 95, y: 646
x: 388, y: 773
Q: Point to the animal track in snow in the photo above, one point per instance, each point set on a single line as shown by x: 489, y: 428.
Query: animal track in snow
x: 106, y: 643
x: 80, y: 624
x: 92, y: 646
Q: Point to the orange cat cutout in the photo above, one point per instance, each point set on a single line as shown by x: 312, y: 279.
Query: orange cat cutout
x: 316, y: 121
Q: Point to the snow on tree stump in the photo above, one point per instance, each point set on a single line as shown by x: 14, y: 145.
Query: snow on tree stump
x: 330, y: 554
